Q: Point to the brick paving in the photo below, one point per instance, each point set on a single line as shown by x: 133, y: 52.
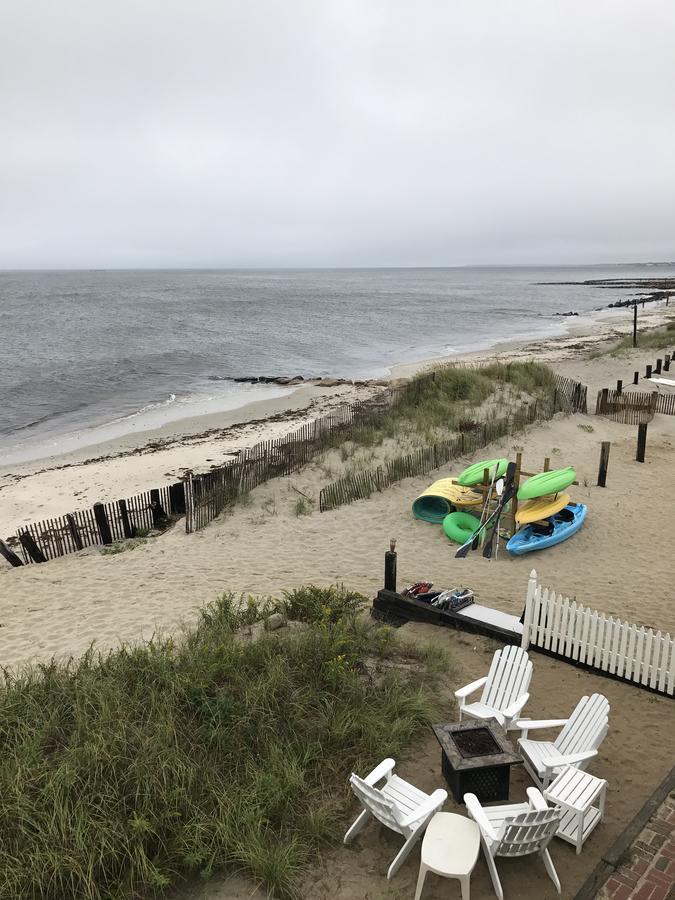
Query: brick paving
x: 649, y: 870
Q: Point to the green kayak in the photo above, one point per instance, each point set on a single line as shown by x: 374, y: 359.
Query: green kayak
x: 547, y: 483
x: 474, y: 474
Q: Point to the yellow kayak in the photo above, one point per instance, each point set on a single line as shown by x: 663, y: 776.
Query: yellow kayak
x: 541, y: 508
x: 434, y: 504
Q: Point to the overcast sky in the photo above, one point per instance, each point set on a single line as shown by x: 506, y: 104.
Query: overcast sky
x: 335, y: 132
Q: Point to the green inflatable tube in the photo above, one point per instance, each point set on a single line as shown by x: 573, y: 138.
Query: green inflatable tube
x: 474, y: 474
x: 460, y: 526
x: 547, y: 483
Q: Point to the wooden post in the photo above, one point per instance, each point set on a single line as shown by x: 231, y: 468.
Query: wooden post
x: 390, y: 567
x: 666, y: 363
x: 658, y: 366
x: 547, y: 463
x: 635, y: 325
x: 103, y: 524
x: 512, y: 527
x: 74, y: 531
x: 159, y: 516
x: 177, y: 494
x: 636, y: 377
x: 642, y: 442
x: 31, y: 547
x: 648, y: 372
x: 604, y: 462
x: 127, y: 527
x: 604, y: 402
x: 10, y: 555
x: 619, y: 386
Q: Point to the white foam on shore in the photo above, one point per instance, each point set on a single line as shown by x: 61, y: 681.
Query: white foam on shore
x: 151, y: 417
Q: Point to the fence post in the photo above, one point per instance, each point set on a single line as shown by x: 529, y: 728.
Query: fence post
x: 658, y: 366
x: 103, y: 524
x: 642, y: 442
x: 159, y: 516
x: 648, y: 372
x: 177, y: 494
x: 74, y: 531
x: 604, y: 462
x: 10, y: 555
x: 636, y: 377
x: 390, y: 567
x: 31, y: 548
x: 619, y: 386
x: 635, y: 325
x: 666, y: 363
x: 604, y: 402
x: 127, y: 528
x: 529, y: 602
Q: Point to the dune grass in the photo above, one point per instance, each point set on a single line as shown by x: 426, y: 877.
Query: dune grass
x: 441, y: 403
x: 123, y: 775
x: 653, y: 339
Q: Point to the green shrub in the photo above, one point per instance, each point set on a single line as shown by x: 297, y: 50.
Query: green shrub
x: 122, y: 775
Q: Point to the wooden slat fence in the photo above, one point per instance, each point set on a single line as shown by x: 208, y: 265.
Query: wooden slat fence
x: 574, y: 632
x: 628, y: 407
x: 208, y: 495
x: 665, y: 404
x: 572, y: 393
x: 74, y: 531
x: 361, y: 485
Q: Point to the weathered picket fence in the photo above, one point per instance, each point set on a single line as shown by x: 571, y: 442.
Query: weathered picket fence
x: 103, y: 524
x: 361, y: 485
x: 572, y: 394
x: 629, y: 407
x: 574, y: 632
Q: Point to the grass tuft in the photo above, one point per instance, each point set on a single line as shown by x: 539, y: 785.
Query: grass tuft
x: 123, y: 774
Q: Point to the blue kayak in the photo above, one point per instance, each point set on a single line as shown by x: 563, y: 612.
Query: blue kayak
x: 551, y: 531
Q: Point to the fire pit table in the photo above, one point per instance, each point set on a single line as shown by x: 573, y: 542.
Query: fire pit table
x: 476, y: 758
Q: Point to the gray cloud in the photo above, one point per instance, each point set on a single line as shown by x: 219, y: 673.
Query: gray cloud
x: 345, y: 132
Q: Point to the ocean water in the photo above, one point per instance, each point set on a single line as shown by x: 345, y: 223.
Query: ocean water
x: 86, y: 351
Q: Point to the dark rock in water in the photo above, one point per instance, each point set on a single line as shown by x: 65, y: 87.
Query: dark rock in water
x: 247, y: 379
x: 568, y: 314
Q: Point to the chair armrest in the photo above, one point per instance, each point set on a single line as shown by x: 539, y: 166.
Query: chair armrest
x: 526, y: 725
x: 512, y: 711
x: 569, y: 759
x: 426, y: 808
x: 470, y: 688
x: 386, y: 767
x: 537, y: 800
x: 475, y: 811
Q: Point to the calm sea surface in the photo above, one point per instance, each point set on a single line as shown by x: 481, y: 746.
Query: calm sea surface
x: 90, y: 348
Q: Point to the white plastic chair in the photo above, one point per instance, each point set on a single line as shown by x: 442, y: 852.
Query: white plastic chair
x: 504, y: 688
x: 517, y: 829
x: 397, y: 804
x: 576, y: 744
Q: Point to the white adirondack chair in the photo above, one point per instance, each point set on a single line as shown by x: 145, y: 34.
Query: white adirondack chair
x: 504, y: 688
x: 576, y: 744
x: 516, y: 829
x: 397, y: 804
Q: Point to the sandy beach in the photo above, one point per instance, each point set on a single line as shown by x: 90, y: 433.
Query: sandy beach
x: 263, y: 547
x: 620, y: 563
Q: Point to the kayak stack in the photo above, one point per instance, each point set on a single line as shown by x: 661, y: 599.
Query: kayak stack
x: 547, y: 513
x: 452, y: 503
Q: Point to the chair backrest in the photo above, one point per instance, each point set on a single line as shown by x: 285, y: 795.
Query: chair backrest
x: 527, y: 832
x: 586, y: 727
x: 377, y: 803
x: 509, y: 677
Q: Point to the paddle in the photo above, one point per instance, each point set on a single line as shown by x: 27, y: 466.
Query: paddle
x: 508, y: 494
x: 486, y: 506
x: 510, y: 491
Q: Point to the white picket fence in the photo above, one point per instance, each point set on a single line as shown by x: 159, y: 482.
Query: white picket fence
x: 584, y: 635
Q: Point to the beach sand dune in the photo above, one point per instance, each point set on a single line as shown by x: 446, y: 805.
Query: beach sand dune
x: 620, y: 562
